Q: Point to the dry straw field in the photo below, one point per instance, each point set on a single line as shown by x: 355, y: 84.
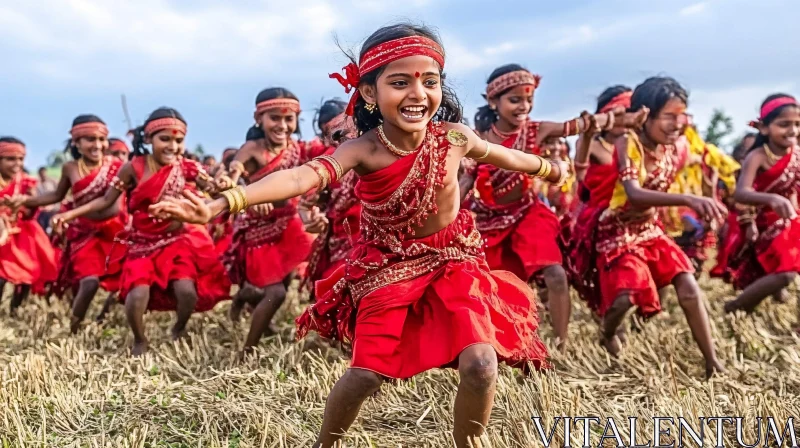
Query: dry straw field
x: 85, y: 391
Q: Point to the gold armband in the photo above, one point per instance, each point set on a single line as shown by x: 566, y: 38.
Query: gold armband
x: 322, y: 172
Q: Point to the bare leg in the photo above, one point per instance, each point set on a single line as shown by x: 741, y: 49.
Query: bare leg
x: 87, y: 288
x: 558, y: 297
x: 693, y: 305
x: 2, y: 287
x: 477, y: 367
x: 274, y: 296
x: 110, y: 301
x: 759, y: 290
x: 344, y: 402
x: 246, y: 294
x: 186, y: 296
x: 781, y: 296
x: 135, y: 306
x: 21, y: 293
x: 611, y: 323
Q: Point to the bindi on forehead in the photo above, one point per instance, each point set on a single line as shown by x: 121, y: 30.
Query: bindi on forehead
x: 417, y: 74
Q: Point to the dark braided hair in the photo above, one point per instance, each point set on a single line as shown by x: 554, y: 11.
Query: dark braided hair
x: 486, y: 117
x: 71, y: 148
x: 137, y: 144
x: 450, y: 110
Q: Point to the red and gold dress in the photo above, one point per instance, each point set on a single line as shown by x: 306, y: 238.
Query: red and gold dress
x: 266, y: 249
x: 521, y: 236
x: 412, y: 304
x: 579, y: 230
x: 343, y: 210
x: 90, y: 250
x: 27, y: 257
x: 634, y: 254
x: 156, y: 256
x: 776, y: 249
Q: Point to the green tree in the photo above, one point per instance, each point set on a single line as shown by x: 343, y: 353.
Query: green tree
x: 57, y: 158
x: 720, y: 126
x: 199, y: 151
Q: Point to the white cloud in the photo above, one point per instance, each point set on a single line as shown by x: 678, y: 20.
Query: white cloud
x: 696, y: 8
x: 741, y: 103
x: 501, y: 48
x: 199, y: 41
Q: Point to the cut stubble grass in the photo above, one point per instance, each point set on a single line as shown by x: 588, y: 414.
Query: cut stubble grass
x: 58, y: 390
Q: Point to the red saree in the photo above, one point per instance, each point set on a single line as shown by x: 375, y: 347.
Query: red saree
x: 330, y: 248
x: 776, y: 249
x: 412, y: 304
x: 27, y: 258
x: 522, y: 236
x: 578, y: 232
x: 635, y: 255
x: 90, y: 250
x: 266, y: 249
x: 156, y: 257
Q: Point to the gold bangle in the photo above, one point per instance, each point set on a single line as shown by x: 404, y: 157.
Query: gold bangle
x: 229, y: 198
x: 322, y: 173
x: 542, y: 167
x: 486, y: 153
x: 240, y: 190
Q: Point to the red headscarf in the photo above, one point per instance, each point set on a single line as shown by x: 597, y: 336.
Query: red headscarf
x: 383, y: 54
x: 10, y: 149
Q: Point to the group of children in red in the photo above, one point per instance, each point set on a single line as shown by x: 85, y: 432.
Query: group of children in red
x: 428, y: 232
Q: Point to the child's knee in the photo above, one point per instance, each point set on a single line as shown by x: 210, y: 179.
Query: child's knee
x: 477, y: 367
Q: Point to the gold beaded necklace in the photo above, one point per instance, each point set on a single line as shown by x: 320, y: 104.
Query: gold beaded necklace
x: 83, y: 168
x: 394, y: 149
x: 771, y: 155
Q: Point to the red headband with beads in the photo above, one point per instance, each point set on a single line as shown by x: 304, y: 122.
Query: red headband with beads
x: 161, y: 124
x: 285, y: 104
x: 384, y: 54
x: 9, y: 149
x: 88, y: 129
x: 511, y: 80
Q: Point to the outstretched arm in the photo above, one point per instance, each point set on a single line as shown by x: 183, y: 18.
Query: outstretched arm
x: 602, y: 121
x: 643, y: 198
x: 52, y: 197
x: 278, y: 186
x: 125, y: 175
x: 510, y: 159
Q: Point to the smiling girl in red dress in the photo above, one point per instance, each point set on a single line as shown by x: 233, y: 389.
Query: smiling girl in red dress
x: 769, y: 182
x: 27, y: 259
x: 521, y: 231
x: 417, y: 276
x: 87, y: 261
x: 168, y: 265
x: 269, y: 240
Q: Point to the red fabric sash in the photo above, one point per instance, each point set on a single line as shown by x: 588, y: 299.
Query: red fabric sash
x: 599, y: 184
x: 783, y: 179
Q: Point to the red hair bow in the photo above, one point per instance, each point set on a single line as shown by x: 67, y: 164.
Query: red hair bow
x: 349, y: 81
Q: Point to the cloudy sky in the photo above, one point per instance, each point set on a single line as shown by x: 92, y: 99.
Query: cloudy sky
x: 208, y: 59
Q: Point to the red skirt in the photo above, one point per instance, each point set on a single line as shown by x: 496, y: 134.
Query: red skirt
x: 782, y: 254
x: 641, y: 271
x: 271, y: 262
x: 527, y: 246
x: 28, y: 258
x: 189, y: 257
x: 405, y: 327
x: 92, y: 252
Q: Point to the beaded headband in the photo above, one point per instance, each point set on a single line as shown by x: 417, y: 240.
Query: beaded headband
x: 384, y: 54
x: 285, y: 104
x: 161, y: 124
x: 88, y: 129
x: 623, y: 99
x: 511, y: 80
x: 9, y: 149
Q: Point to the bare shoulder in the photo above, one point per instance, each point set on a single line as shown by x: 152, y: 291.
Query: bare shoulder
x: 462, y: 137
x: 757, y: 156
x: 249, y: 146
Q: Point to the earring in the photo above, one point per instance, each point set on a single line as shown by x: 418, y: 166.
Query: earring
x: 370, y: 107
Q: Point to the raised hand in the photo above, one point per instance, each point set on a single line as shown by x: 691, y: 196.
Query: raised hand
x: 317, y: 222
x: 190, y: 209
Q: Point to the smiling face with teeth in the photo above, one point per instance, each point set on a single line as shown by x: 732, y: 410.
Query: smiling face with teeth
x: 408, y: 93
x: 513, y: 106
x: 278, y: 126
x: 92, y: 147
x: 168, y: 145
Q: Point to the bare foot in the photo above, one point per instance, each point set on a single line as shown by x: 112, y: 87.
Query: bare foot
x: 139, y: 348
x: 781, y: 297
x: 714, y: 367
x: 178, y: 334
x: 561, y: 346
x: 235, y: 313
x: 612, y: 345
x: 74, y: 324
x: 730, y: 307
